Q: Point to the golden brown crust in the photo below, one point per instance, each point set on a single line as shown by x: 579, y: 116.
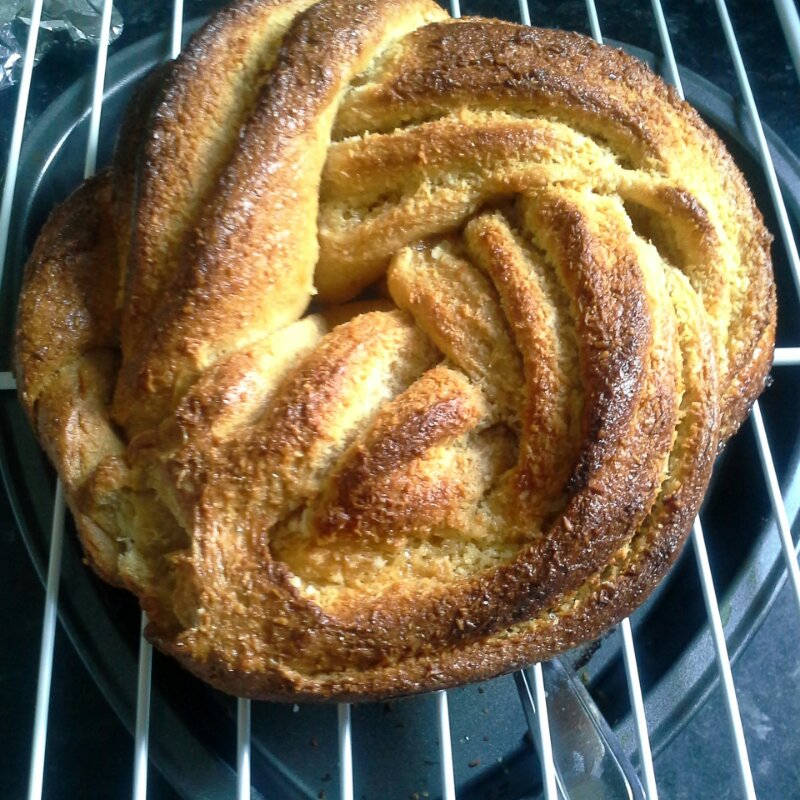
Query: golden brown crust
x: 367, y: 501
x: 66, y: 351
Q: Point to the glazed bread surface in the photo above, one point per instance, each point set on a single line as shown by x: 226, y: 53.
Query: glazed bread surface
x: 393, y: 351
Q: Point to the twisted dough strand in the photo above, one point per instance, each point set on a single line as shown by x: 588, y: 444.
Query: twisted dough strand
x: 566, y: 305
x: 247, y: 271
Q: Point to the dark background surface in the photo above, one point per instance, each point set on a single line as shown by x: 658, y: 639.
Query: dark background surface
x: 90, y: 751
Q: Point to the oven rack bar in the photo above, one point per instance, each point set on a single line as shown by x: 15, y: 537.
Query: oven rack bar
x: 90, y: 163
x: 35, y: 783
x: 790, y: 22
x: 141, y: 736
x: 763, y: 148
x: 45, y: 670
x: 723, y: 660
x: 637, y: 708
x: 787, y: 356
x: 778, y: 507
x: 15, y: 147
x: 243, y: 749
x: 445, y: 747
x: 346, y: 780
x: 145, y: 669
x: 629, y: 652
x: 45, y: 675
x: 698, y: 538
x: 543, y: 735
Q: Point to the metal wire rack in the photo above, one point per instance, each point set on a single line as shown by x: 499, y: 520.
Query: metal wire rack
x: 534, y: 698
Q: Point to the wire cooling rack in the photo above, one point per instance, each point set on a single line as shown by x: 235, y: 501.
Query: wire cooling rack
x: 534, y: 699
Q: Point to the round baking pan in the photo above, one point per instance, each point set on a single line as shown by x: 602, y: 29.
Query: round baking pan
x: 294, y: 749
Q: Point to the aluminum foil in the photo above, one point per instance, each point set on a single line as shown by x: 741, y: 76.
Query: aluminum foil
x: 73, y: 23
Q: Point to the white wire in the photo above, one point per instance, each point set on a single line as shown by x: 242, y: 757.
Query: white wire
x: 7, y: 382
x: 637, y: 705
x: 542, y: 719
x: 790, y: 22
x: 144, y: 679
x: 787, y: 356
x: 176, y: 38
x: 540, y: 697
x: 142, y: 730
x: 145, y: 649
x: 524, y: 12
x: 45, y: 674
x: 345, y: 753
x: 445, y: 747
x: 46, y: 652
x: 631, y: 669
x: 243, y: 704
x: 545, y: 745
x: 763, y: 148
x: 698, y: 540
x: 723, y: 661
x: 455, y: 9
x: 243, y: 749
x: 10, y: 184
x: 778, y: 507
x: 594, y: 21
x: 666, y: 44
x: 90, y: 164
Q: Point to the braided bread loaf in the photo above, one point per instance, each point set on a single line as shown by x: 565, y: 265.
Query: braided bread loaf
x: 563, y: 304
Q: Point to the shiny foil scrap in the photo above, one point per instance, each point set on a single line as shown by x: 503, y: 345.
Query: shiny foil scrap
x: 64, y: 22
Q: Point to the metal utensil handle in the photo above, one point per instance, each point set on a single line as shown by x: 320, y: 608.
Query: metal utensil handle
x: 588, y: 757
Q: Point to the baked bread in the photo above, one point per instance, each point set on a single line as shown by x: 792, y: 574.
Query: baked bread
x: 393, y: 352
